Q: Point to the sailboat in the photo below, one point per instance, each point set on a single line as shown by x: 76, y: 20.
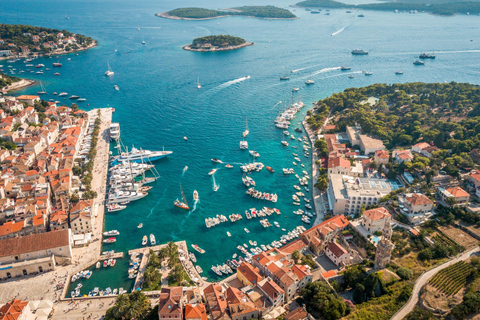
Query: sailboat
x: 43, y: 91
x: 182, y: 205
x: 198, y: 84
x: 246, y: 132
x: 109, y: 72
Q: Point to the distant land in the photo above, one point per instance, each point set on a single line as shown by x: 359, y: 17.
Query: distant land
x: 25, y: 40
x: 446, y: 8
x: 263, y: 12
x: 217, y: 43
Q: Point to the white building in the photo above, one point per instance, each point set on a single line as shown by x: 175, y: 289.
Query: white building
x: 338, y: 254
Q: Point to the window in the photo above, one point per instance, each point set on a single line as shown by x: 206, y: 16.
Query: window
x: 25, y: 272
x: 9, y: 275
x: 16, y: 258
x: 40, y: 269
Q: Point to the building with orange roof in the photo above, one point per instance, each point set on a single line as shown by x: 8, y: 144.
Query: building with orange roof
x: 16, y: 310
x: 418, y: 203
x: 59, y: 220
x: 273, y: 292
x: 170, y: 303
x: 11, y: 229
x: 248, y: 274
x: 299, y: 245
x: 216, y: 301
x: 474, y: 179
x: 402, y: 156
x: 329, y: 274
x: 28, y: 99
x: 375, y: 219
x: 337, y: 254
x: 296, y: 314
x: 240, y: 306
x: 381, y: 157
x: 460, y: 197
x: 195, y: 312
x: 320, y: 235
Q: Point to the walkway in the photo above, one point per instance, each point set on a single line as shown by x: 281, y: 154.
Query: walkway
x: 423, y: 279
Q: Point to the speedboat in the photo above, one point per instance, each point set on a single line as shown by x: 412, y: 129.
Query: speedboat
x: 140, y: 226
x: 343, y: 68
x: 114, y: 130
x: 309, y: 81
x: 216, y: 188
x: 216, y: 160
x: 111, y: 233
x: 418, y: 63
x: 195, y: 195
x: 212, y: 171
x: 152, y: 240
x: 110, y: 240
x: 398, y: 72
x: 229, y: 166
x: 61, y: 94
x: 295, y: 89
x: 197, y: 248
x: 144, y: 240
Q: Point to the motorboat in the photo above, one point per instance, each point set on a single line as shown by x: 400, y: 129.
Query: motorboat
x: 111, y: 233
x: 109, y: 72
x: 123, y: 196
x: 140, y: 226
x: 418, y: 63
x: 359, y: 52
x: 211, y: 172
x: 140, y: 156
x: 254, y: 153
x: 197, y: 248
x: 295, y: 89
x: 110, y: 240
x: 216, y: 160
x: 152, y: 240
x: 246, y: 132
x: 62, y: 94
x: 144, y: 240
x: 309, y: 81
x: 195, y: 195
x: 229, y: 166
x: 115, y: 130
x: 73, y: 97
x: 398, y: 72
x: 343, y: 68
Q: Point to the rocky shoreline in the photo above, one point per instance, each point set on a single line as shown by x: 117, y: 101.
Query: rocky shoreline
x: 215, y: 49
x: 55, y: 53
x: 24, y: 83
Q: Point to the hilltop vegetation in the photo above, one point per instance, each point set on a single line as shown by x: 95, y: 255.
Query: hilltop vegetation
x: 6, y: 80
x: 249, y: 11
x: 444, y: 8
x: 36, y: 38
x: 218, y: 41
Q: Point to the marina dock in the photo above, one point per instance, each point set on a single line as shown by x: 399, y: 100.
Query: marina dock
x: 116, y: 255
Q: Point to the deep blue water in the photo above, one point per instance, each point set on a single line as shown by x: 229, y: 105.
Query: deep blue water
x: 158, y: 102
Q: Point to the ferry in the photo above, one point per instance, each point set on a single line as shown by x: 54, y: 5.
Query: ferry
x: 115, y: 130
x: 144, y: 240
x: 140, y: 155
x: 152, y: 240
x: 197, y: 248
x: 359, y: 52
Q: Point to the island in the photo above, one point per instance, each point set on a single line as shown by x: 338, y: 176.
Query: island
x: 263, y: 12
x: 29, y: 41
x: 217, y: 43
x: 445, y: 8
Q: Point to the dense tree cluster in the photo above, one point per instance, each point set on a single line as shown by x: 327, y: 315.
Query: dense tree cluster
x: 366, y: 285
x: 250, y: 11
x: 131, y: 306
x: 14, y: 33
x: 441, y: 7
x: 6, y: 80
x: 218, y: 41
x: 319, y: 296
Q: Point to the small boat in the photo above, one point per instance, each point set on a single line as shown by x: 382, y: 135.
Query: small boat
x: 109, y: 240
x: 229, y: 234
x: 216, y: 160
x: 81, y: 100
x: 198, y: 84
x: 185, y: 138
x: 285, y: 78
x: 192, y: 257
x: 199, y: 269
x: 184, y: 204
x: 351, y: 77
x: 144, y: 240
x: 197, y: 248
x: 62, y: 94
x: 309, y: 81
x: 111, y: 233
x: 143, y: 42
x: 195, y: 195
x: 98, y: 264
x: 140, y: 226
x: 56, y: 74
x: 418, y: 63
x: 229, y: 166
x: 73, y: 97
x: 211, y: 172
x: 398, y: 72
x: 254, y: 153
x: 295, y: 89
x: 270, y: 169
x: 109, y: 72
x: 216, y: 188
x: 116, y: 87
x: 343, y: 68
x: 246, y: 230
x: 152, y: 240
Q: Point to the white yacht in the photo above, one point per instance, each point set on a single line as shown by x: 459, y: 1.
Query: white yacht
x: 140, y: 155
x: 62, y: 94
x: 124, y: 196
x: 243, y: 144
x: 109, y: 72
x: 115, y: 130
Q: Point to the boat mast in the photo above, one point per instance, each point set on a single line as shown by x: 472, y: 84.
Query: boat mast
x: 183, y: 195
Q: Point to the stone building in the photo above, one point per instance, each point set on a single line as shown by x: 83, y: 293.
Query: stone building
x: 384, y: 247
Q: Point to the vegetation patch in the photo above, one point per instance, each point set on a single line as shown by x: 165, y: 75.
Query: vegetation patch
x: 217, y: 43
x: 267, y: 12
x: 452, y: 279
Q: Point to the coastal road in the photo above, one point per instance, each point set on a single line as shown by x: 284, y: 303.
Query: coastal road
x: 423, y: 279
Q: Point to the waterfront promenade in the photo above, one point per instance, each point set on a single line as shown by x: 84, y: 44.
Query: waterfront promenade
x: 318, y: 201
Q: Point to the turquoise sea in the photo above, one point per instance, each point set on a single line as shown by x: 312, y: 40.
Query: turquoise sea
x: 158, y: 102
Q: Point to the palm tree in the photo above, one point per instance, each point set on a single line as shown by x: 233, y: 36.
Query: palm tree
x: 178, y: 273
x: 172, y: 249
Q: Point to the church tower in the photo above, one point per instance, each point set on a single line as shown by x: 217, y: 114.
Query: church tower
x: 384, y: 247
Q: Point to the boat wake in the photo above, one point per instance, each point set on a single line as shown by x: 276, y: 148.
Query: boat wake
x: 215, y: 185
x: 194, y: 207
x: 157, y: 204
x: 324, y: 70
x: 338, y: 31
x: 343, y: 74
x: 296, y: 70
x: 227, y: 84
x: 184, y: 170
